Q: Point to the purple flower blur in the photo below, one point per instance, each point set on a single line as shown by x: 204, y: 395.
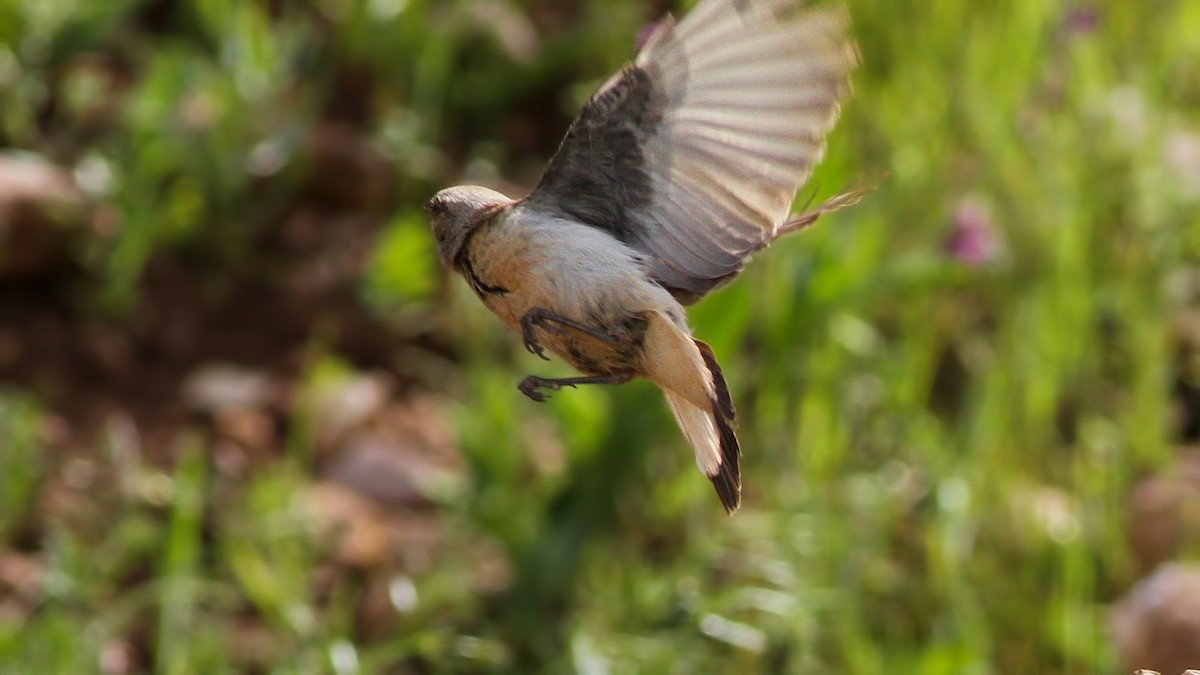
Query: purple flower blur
x: 972, y: 239
x: 1080, y: 21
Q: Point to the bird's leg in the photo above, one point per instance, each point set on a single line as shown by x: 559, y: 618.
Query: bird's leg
x: 544, y: 319
x: 530, y: 385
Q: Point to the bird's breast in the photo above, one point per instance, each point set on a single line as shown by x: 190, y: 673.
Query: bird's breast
x: 578, y: 273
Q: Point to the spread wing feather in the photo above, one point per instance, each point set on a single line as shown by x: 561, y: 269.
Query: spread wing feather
x: 693, y: 154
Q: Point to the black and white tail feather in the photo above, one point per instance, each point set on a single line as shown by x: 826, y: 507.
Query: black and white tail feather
x: 728, y: 478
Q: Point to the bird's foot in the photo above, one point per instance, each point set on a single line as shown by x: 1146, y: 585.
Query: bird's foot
x: 530, y: 386
x: 537, y: 318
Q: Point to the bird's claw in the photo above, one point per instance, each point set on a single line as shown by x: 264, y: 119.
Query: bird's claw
x: 534, y: 347
x: 530, y: 386
x: 530, y: 390
x: 534, y: 319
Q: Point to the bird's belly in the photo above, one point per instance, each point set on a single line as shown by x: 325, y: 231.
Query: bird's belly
x: 619, y: 350
x: 575, y: 272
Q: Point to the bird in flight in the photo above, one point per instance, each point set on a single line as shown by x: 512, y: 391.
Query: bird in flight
x: 681, y: 166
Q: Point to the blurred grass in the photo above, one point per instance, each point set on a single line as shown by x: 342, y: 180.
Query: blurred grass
x: 938, y: 454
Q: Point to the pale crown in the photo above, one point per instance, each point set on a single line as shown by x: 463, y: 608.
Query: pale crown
x: 455, y: 211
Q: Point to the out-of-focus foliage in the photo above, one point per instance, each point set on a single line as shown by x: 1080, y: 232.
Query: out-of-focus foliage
x: 947, y: 394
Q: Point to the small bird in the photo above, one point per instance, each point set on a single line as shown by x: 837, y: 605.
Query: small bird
x: 681, y: 166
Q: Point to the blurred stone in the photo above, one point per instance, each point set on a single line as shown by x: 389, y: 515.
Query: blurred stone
x: 231, y: 459
x: 249, y: 427
x: 423, y: 420
x: 352, y: 522
x: 21, y: 575
x: 1164, y: 513
x: 118, y: 657
x: 343, y: 405
x: 94, y: 175
x: 37, y: 201
x: 1157, y: 624
x: 407, y: 455
x: 219, y: 387
x: 247, y: 439
x: 394, y: 475
x: 29, y: 180
x: 511, y: 28
x: 385, y: 472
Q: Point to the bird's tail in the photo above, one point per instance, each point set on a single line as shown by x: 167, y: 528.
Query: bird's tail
x: 687, y: 372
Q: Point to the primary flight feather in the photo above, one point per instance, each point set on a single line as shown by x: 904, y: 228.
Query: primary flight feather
x: 677, y: 170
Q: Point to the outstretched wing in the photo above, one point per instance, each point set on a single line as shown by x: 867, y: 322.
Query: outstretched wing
x: 693, y: 153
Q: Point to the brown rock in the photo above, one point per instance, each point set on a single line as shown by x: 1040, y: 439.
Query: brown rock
x: 1157, y: 624
x: 21, y: 575
x: 352, y: 523
x: 386, y: 472
x: 218, y: 387
x: 407, y: 455
x: 1164, y: 513
x: 37, y: 201
x: 250, y: 428
x: 118, y: 657
x: 343, y: 406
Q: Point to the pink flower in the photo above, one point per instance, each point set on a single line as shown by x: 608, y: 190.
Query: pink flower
x: 972, y: 240
x: 1080, y: 21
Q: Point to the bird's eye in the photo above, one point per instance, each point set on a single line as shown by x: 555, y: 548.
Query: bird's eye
x: 435, y: 207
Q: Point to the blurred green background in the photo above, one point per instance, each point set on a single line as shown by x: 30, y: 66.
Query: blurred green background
x: 247, y: 424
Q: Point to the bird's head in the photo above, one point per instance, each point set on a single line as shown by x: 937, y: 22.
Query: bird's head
x: 455, y: 211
